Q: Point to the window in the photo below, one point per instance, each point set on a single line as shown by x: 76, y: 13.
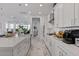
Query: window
x: 9, y: 26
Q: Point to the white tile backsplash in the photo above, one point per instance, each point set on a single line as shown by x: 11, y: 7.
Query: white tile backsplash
x: 63, y: 29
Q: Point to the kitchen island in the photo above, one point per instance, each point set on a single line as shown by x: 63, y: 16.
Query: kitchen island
x: 14, y: 46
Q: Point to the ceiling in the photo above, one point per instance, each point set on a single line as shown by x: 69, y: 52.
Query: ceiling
x: 19, y: 10
x: 8, y: 9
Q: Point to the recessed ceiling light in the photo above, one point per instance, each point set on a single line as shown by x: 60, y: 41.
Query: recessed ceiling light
x: 41, y: 5
x: 26, y: 4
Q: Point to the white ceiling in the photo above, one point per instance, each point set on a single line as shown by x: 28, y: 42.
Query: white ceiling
x: 14, y: 9
x: 19, y: 10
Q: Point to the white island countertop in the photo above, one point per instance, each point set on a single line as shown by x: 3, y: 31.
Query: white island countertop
x: 11, y: 41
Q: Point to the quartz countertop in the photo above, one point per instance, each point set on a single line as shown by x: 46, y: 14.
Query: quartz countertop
x: 11, y: 41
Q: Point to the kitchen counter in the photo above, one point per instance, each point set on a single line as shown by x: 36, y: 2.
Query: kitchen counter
x: 11, y: 41
x: 72, y: 48
x: 14, y: 46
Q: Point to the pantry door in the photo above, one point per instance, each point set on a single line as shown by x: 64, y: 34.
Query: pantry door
x: 36, y: 27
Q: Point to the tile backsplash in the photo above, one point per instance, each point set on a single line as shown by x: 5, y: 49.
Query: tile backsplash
x: 65, y: 28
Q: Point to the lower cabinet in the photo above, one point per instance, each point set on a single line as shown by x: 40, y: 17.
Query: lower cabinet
x: 58, y: 52
x: 5, y: 51
x: 22, y: 48
x: 61, y: 52
x: 56, y: 48
x: 48, y: 43
x: 60, y: 49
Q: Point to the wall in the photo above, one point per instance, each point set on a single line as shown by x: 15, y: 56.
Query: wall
x: 19, y: 20
x: 49, y: 28
x: 2, y: 23
x: 42, y: 23
x: 42, y: 18
x: 26, y: 20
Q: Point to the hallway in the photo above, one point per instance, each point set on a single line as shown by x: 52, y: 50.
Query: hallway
x: 38, y: 48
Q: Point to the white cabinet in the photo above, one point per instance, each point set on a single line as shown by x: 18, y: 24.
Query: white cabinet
x: 56, y: 17
x: 64, y: 14
x: 59, y: 49
x: 68, y: 12
x: 59, y: 15
x: 16, y: 50
x: 22, y: 48
x: 15, y: 46
x: 48, y: 43
x: 77, y: 14
x: 5, y: 51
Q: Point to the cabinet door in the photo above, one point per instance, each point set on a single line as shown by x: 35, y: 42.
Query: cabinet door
x: 21, y: 49
x: 5, y: 51
x: 53, y: 46
x: 77, y: 14
x: 68, y: 12
x: 49, y: 44
x: 65, y: 52
x: 62, y: 52
x: 60, y: 15
x: 56, y: 17
x: 58, y: 51
x: 16, y: 50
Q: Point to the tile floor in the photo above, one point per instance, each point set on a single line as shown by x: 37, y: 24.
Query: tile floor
x: 38, y: 48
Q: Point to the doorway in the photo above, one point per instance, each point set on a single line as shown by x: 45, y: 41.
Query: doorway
x: 36, y: 27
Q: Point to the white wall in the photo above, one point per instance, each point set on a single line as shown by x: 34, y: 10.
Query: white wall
x: 42, y: 23
x: 2, y: 23
x: 19, y: 20
x: 42, y: 18
x: 27, y: 20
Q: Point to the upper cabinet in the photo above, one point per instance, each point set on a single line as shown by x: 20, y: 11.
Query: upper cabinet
x: 68, y: 14
x: 58, y: 15
x: 64, y: 14
x: 77, y: 14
